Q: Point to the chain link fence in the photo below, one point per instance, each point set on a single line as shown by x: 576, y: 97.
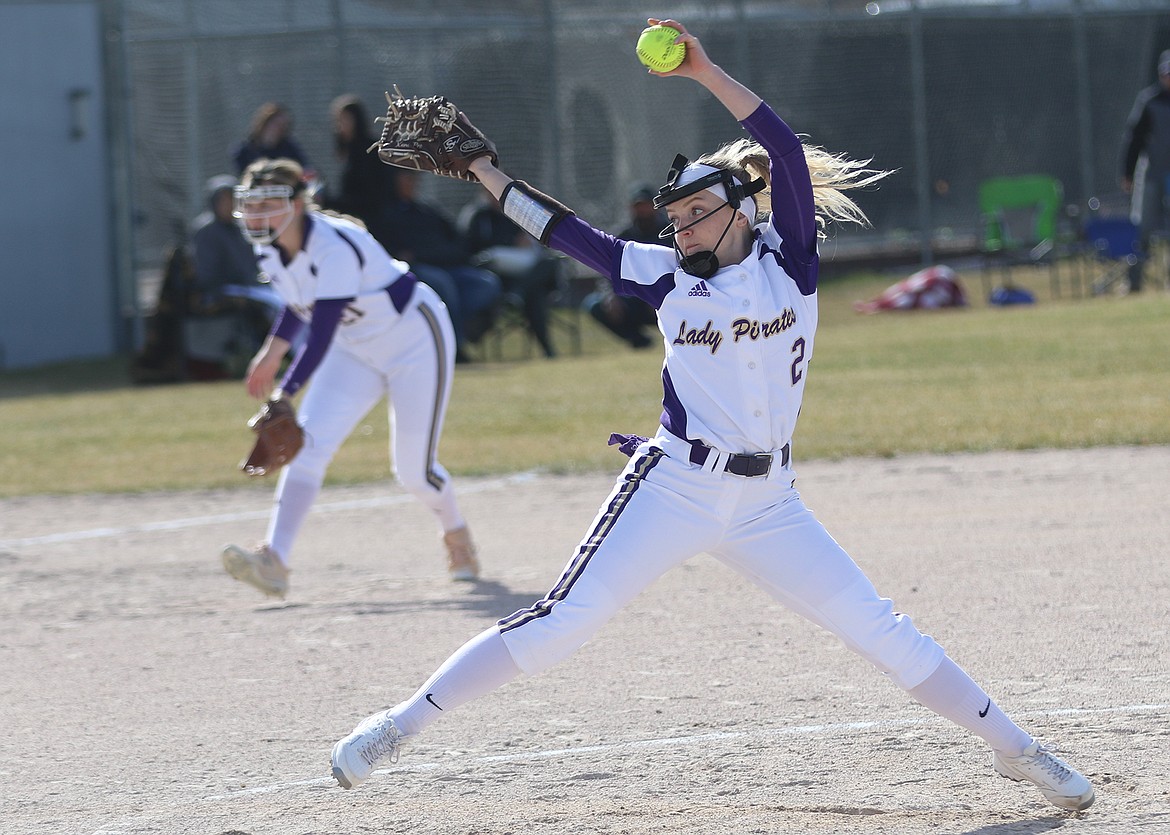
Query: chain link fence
x: 947, y: 93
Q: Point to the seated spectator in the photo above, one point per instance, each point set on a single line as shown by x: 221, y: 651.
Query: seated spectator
x: 366, y: 183
x: 227, y: 310
x: 220, y: 255
x: 526, y: 269
x: 270, y: 136
x: 624, y: 316
x: 429, y: 241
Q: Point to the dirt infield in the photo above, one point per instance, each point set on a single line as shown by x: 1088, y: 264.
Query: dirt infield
x: 144, y: 691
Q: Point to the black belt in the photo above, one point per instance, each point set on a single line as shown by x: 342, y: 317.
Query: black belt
x: 748, y: 466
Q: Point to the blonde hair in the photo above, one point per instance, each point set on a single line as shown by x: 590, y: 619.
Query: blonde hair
x: 832, y: 175
x: 288, y: 172
x: 274, y: 172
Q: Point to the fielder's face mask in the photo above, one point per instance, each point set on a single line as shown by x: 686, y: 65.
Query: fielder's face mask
x: 263, y: 212
x: 687, y: 178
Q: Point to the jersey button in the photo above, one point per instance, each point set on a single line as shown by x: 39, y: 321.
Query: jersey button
x: 751, y: 365
x: 758, y: 413
x: 747, y: 303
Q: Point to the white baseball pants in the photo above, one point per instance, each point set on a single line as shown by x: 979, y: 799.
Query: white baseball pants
x: 664, y: 510
x: 412, y: 365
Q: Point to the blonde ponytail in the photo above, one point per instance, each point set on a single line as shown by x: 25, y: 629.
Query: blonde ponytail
x: 832, y: 175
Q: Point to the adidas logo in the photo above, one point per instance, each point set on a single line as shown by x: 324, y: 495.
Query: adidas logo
x: 700, y: 289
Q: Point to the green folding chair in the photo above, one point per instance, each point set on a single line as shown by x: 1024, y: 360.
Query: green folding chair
x: 1021, y: 219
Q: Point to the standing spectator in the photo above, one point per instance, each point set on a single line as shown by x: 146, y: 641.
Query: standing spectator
x: 526, y: 269
x: 1145, y: 163
x: 429, y: 241
x: 626, y: 316
x: 366, y: 185
x: 270, y: 137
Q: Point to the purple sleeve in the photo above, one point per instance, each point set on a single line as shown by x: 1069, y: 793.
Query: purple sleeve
x: 793, y: 209
x: 287, y: 325
x: 592, y: 247
x: 326, y: 317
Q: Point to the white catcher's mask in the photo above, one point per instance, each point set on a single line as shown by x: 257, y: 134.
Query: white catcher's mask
x: 256, y: 212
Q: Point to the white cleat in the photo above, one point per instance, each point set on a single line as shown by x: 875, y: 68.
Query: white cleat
x: 1063, y: 785
x: 355, y: 757
x: 462, y: 562
x: 259, y: 567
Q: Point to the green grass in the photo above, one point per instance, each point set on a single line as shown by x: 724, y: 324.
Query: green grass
x: 1075, y: 373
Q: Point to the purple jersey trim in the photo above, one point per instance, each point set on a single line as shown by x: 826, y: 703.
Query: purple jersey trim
x: 326, y: 318
x: 674, y: 416
x: 352, y: 245
x: 401, y: 290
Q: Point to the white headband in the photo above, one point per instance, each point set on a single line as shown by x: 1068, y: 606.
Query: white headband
x: 697, y: 169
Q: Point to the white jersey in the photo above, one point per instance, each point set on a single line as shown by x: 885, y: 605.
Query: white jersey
x: 338, y: 260
x: 737, y: 345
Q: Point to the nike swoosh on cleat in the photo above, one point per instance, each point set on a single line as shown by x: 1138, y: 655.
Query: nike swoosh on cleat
x: 432, y: 701
x: 982, y: 713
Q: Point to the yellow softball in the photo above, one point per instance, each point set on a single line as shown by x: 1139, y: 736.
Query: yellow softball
x: 658, y: 51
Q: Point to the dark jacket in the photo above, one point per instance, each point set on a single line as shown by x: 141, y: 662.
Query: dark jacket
x: 1147, y: 131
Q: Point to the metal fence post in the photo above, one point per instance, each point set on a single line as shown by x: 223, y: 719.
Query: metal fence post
x: 1084, y: 103
x: 921, y: 137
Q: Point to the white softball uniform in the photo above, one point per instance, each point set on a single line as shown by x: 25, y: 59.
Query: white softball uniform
x: 394, y: 340
x: 717, y: 478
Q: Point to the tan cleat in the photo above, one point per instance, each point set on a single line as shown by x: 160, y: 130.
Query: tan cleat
x: 462, y: 563
x: 259, y: 567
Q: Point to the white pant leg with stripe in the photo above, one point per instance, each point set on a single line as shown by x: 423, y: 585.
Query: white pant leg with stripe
x: 644, y: 528
x: 413, y: 364
x: 663, y: 511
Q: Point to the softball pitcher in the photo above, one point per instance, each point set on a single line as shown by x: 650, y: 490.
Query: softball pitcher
x: 735, y: 289
x: 373, y: 331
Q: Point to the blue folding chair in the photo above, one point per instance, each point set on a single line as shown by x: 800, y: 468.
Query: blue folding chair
x: 1115, y: 243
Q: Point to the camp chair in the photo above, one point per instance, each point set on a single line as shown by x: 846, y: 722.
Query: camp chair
x: 1115, y: 243
x: 1020, y: 218
x: 564, y: 316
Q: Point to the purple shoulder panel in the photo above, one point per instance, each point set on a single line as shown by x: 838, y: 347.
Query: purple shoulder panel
x: 793, y: 209
x: 603, y: 252
x: 652, y: 294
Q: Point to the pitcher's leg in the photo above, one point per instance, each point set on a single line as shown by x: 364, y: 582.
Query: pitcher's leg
x: 647, y: 525
x: 954, y: 695
x: 477, y: 668
x: 639, y: 533
x: 796, y: 560
x: 790, y: 554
